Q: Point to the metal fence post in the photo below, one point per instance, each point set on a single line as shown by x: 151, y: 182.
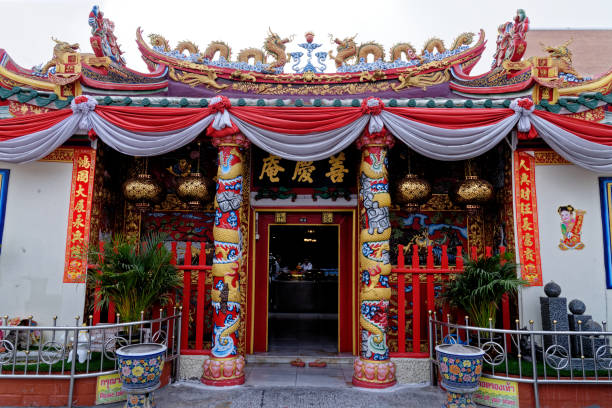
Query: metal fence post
x: 431, y: 346
x: 75, y: 347
x: 534, y: 365
x: 178, y: 354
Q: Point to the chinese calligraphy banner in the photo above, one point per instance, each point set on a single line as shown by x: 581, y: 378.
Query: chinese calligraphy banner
x: 83, y: 166
x: 272, y: 171
x: 527, y: 218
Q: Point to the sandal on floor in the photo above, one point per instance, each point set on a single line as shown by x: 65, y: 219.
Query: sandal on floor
x: 317, y: 363
x: 298, y: 363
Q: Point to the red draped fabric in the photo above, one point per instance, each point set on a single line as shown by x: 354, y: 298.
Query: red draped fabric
x: 452, y: 118
x: 593, y: 132
x: 24, y: 125
x: 297, y: 121
x: 141, y: 119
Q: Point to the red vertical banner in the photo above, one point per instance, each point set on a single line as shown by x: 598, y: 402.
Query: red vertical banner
x: 81, y: 197
x: 528, y: 238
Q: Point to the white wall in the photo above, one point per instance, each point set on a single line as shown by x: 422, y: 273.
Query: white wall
x: 34, y: 244
x: 580, y: 273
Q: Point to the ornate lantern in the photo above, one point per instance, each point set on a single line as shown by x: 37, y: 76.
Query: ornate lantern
x: 193, y: 190
x: 412, y: 191
x: 473, y: 192
x: 142, y: 191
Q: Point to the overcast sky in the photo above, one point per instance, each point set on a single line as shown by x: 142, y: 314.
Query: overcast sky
x: 28, y: 25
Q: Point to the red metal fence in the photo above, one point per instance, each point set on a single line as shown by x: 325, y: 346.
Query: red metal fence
x: 421, y: 280
x: 194, y: 305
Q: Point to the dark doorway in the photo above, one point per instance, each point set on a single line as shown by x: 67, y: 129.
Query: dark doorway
x: 303, y: 291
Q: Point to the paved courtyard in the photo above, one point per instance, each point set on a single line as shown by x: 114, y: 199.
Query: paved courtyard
x: 184, y: 395
x: 281, y: 385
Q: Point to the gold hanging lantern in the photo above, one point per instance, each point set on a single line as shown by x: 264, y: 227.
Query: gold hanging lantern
x: 412, y: 191
x: 142, y: 190
x: 193, y: 190
x: 473, y: 192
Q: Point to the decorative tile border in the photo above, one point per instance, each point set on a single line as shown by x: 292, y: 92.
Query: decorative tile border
x: 549, y: 157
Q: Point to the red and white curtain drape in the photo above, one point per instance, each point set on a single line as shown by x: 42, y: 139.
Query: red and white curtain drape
x: 306, y: 133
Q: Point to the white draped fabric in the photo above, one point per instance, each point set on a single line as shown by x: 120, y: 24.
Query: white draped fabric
x: 448, y: 144
x: 314, y: 146
x: 146, y: 144
x: 591, y: 156
x: 38, y: 145
x: 436, y: 142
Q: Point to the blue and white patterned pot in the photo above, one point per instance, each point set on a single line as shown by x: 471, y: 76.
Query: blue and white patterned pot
x: 460, y: 367
x: 140, y: 365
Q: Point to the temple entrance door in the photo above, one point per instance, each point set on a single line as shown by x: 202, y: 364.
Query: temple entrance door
x: 313, y: 303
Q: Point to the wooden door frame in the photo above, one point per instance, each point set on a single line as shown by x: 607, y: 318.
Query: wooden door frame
x: 257, y: 297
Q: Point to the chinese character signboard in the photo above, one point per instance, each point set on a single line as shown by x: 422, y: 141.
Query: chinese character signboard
x: 527, y: 218
x: 108, y: 389
x: 497, y: 393
x: 271, y: 171
x: 81, y: 196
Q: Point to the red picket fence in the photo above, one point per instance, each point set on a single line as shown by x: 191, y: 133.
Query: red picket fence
x: 423, y: 279
x: 201, y: 269
x: 192, y: 299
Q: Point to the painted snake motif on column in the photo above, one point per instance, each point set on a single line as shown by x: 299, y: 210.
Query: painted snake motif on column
x: 373, y: 368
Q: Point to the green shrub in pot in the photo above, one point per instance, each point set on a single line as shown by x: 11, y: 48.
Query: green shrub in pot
x: 133, y: 275
x: 478, y: 290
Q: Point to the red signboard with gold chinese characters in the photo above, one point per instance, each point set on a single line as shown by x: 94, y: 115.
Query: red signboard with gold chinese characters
x: 83, y: 165
x: 528, y: 238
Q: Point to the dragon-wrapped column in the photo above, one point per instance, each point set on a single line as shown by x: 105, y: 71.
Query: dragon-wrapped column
x: 373, y: 368
x: 225, y: 366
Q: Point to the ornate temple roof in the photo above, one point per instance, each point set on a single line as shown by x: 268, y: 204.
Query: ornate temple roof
x: 288, y: 72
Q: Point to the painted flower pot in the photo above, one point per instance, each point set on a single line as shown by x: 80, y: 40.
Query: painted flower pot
x: 140, y: 365
x: 460, y: 369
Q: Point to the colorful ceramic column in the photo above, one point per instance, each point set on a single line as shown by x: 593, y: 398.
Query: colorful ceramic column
x: 374, y: 369
x: 226, y: 366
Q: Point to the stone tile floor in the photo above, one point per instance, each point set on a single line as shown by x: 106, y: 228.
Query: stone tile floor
x: 283, y: 386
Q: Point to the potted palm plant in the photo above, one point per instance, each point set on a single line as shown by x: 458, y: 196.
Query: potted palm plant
x: 479, y: 289
x: 133, y: 275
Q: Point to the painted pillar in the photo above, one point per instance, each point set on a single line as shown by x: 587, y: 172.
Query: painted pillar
x: 373, y: 368
x: 225, y: 366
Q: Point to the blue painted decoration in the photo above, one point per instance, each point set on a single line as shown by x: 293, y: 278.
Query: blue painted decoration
x: 4, y: 179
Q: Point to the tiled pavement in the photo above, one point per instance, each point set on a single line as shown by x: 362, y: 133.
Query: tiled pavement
x: 271, y: 385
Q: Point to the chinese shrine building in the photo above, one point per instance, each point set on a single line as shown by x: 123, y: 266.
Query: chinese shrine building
x: 310, y: 212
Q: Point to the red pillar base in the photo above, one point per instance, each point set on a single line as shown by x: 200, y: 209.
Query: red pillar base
x: 223, y: 372
x: 373, y: 374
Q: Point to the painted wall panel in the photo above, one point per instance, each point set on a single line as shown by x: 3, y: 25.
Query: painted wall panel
x: 580, y: 273
x: 34, y: 242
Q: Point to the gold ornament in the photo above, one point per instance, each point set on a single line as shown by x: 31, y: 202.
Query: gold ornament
x: 193, y: 190
x: 473, y: 192
x: 412, y: 191
x: 142, y: 191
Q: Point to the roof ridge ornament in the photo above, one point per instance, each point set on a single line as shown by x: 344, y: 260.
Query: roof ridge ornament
x: 511, y: 42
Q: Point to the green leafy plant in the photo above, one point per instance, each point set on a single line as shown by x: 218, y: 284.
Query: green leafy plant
x: 133, y: 276
x: 479, y: 289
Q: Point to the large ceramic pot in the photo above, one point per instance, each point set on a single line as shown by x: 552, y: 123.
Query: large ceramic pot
x: 140, y: 365
x: 460, y: 369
